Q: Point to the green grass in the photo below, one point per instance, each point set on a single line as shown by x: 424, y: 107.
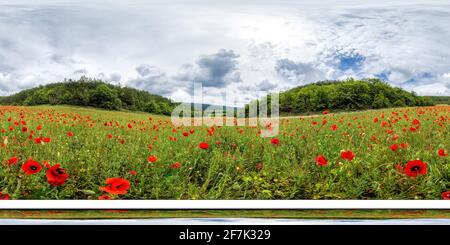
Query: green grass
x: 243, y: 166
x: 281, y: 214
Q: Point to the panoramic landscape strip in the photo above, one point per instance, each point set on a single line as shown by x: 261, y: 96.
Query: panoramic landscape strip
x: 56, y: 146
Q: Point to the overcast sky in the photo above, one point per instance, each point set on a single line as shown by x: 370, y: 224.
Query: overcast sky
x: 241, y: 46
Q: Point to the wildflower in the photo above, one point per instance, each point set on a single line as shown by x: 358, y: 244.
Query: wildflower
x: 56, y: 175
x: 347, y: 155
x: 104, y: 197
x: 116, y: 186
x: 321, y: 160
x: 152, y: 159
x: 31, y: 167
x: 203, y: 145
x: 415, y: 168
x: 13, y: 161
x: 175, y: 165
x: 4, y: 196
x: 259, y: 166
x: 445, y: 195
x: 394, y: 147
x: 275, y: 141
x: 441, y: 153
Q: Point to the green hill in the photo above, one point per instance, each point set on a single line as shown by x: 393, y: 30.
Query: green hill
x: 439, y: 99
x: 93, y: 93
x: 347, y: 95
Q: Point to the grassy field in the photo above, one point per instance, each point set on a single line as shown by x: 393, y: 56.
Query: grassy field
x: 280, y: 214
x: 76, y: 153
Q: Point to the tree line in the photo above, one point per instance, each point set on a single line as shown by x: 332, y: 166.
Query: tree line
x: 347, y: 95
x: 94, y: 93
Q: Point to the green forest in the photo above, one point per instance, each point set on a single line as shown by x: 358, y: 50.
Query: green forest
x: 348, y: 95
x: 93, y: 93
x: 440, y: 100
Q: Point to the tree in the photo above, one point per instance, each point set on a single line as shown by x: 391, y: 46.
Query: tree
x: 105, y: 97
x: 380, y: 101
x: 152, y: 107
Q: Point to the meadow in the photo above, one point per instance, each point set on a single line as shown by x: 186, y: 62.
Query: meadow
x: 61, y: 152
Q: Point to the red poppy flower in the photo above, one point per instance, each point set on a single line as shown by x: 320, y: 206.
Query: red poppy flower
x: 24, y: 129
x: 13, y: 160
x: 37, y: 140
x: 203, y: 145
x: 191, y: 131
x: 347, y: 155
x: 325, y: 112
x: 70, y: 134
x: 116, y: 186
x: 175, y: 165
x: 259, y: 166
x: 446, y: 195
x: 4, y: 196
x: 46, y: 140
x: 31, y: 167
x: 56, y: 175
x: 275, y: 141
x: 398, y: 167
x: 321, y: 160
x: 132, y: 172
x: 415, y: 168
x: 334, y: 127
x: 185, y: 134
x: 104, y: 197
x: 394, y: 147
x: 441, y: 153
x: 152, y: 159
x: 404, y: 145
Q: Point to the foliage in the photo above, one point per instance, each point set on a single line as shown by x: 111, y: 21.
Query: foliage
x: 94, y: 145
x: 440, y: 99
x: 93, y: 93
x: 347, y: 95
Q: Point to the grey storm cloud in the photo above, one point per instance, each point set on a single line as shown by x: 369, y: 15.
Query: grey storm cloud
x: 213, y: 70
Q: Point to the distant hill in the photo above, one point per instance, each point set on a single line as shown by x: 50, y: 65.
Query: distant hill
x: 91, y: 92
x: 347, y: 95
x: 439, y: 99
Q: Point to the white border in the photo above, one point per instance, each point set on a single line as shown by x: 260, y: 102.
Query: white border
x: 224, y: 204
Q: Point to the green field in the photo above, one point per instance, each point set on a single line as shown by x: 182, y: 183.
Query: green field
x: 399, y: 153
x: 280, y: 214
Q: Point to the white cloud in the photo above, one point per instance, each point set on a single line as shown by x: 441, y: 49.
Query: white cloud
x: 242, y: 46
